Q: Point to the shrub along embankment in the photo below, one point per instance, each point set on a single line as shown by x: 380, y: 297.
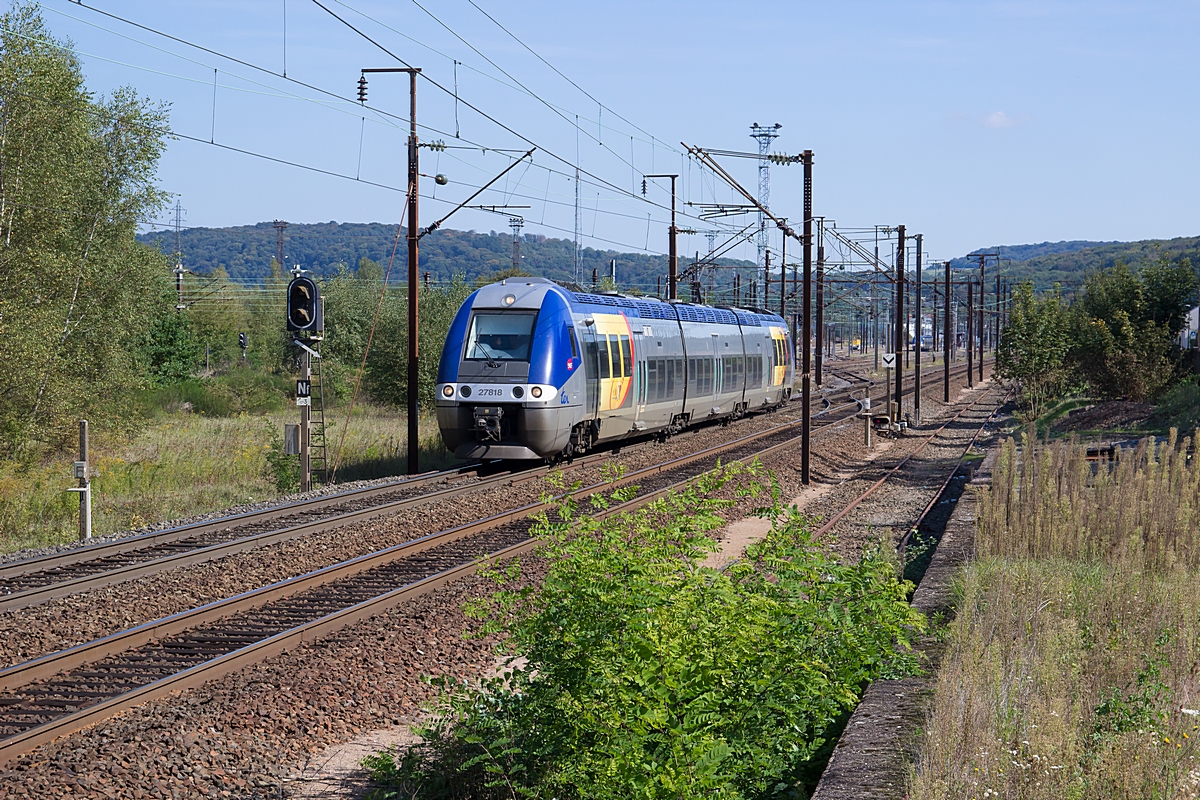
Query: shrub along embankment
x: 1073, y: 665
x: 644, y: 674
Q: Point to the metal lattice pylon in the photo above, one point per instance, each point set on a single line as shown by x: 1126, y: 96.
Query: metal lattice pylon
x: 764, y: 135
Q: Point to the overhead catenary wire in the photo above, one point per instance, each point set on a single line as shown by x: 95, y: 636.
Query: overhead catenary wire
x: 265, y: 70
x: 483, y: 113
x: 590, y: 177
x: 330, y: 173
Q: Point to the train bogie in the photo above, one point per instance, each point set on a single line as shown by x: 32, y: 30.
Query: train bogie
x: 531, y: 370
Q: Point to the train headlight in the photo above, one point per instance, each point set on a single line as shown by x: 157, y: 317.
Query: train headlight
x: 536, y: 391
x: 518, y: 391
x: 465, y: 391
x: 447, y: 391
x: 509, y: 299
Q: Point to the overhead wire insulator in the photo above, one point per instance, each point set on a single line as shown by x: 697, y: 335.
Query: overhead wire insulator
x: 362, y: 88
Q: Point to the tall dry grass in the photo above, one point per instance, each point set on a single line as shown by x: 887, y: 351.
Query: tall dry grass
x: 1072, y: 668
x: 185, y: 464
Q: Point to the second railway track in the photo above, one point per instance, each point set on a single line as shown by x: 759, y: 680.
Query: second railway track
x: 34, y: 581
x: 53, y: 695
x: 50, y: 696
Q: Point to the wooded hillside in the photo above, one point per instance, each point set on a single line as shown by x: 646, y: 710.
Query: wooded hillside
x: 246, y: 251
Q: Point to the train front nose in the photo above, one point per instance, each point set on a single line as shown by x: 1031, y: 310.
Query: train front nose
x: 488, y: 423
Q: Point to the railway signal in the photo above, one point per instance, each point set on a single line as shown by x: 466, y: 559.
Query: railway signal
x: 303, y: 306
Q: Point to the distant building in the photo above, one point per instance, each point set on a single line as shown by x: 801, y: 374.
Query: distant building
x: 1191, y: 329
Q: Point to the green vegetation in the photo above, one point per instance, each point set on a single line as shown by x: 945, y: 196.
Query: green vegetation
x: 1179, y: 406
x: 1071, y: 666
x: 78, y: 293
x: 245, y: 252
x: 1033, y: 348
x: 1117, y: 340
x: 643, y: 673
x: 185, y: 463
x: 1067, y: 264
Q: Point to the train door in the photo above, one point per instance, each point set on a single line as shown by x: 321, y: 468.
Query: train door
x: 718, y: 374
x: 615, y: 351
x: 591, y: 355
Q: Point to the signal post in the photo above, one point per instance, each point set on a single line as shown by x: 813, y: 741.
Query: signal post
x: 305, y: 321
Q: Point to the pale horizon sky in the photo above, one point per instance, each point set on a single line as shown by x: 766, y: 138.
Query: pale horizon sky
x: 975, y: 123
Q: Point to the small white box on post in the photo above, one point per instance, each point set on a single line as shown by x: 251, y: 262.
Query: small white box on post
x: 291, y: 439
x: 80, y: 472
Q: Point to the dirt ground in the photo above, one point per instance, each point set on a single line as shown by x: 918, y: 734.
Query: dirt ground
x: 1108, y: 415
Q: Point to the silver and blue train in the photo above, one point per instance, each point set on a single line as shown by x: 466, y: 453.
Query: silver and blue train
x: 531, y: 370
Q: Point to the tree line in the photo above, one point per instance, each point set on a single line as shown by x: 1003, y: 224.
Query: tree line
x: 88, y: 321
x: 1118, y: 339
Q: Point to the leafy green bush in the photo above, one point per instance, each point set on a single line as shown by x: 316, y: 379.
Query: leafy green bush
x: 1179, y: 406
x: 645, y: 674
x: 243, y: 390
x: 281, y: 469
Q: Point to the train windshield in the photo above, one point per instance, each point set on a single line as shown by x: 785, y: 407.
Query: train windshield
x: 501, y: 336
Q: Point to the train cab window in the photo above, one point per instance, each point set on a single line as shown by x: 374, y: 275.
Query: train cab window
x: 626, y: 356
x: 574, y: 343
x: 500, y: 336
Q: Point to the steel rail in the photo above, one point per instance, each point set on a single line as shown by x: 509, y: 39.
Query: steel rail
x: 54, y: 664
x: 24, y: 598
x: 915, y: 527
x: 24, y: 674
x: 141, y: 541
x: 856, y: 501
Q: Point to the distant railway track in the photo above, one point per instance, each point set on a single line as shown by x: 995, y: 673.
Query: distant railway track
x: 38, y: 580
x: 51, y: 696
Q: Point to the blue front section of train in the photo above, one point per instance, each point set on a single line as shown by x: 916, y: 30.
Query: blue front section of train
x: 455, y: 339
x: 551, y: 342
x: 549, y: 353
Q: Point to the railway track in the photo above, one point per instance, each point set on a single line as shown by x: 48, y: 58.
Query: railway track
x: 50, y: 696
x: 33, y: 581
x: 38, y: 580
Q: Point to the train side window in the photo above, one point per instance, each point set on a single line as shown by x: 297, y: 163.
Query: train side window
x: 574, y: 343
x: 661, y: 387
x: 651, y: 381
x: 626, y: 355
x: 605, y: 363
x: 614, y: 353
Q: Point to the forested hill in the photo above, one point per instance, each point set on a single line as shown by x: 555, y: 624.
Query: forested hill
x: 246, y: 252
x: 1068, y: 263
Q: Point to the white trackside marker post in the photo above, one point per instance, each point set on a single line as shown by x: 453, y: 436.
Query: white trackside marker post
x: 85, y: 484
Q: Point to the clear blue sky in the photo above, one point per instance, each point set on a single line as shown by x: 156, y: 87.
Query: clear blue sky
x: 976, y: 123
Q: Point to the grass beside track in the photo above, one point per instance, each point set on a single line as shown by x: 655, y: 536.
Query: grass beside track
x: 185, y: 464
x: 1072, y: 666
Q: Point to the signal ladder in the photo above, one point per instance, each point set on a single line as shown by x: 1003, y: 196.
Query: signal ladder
x: 316, y: 441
